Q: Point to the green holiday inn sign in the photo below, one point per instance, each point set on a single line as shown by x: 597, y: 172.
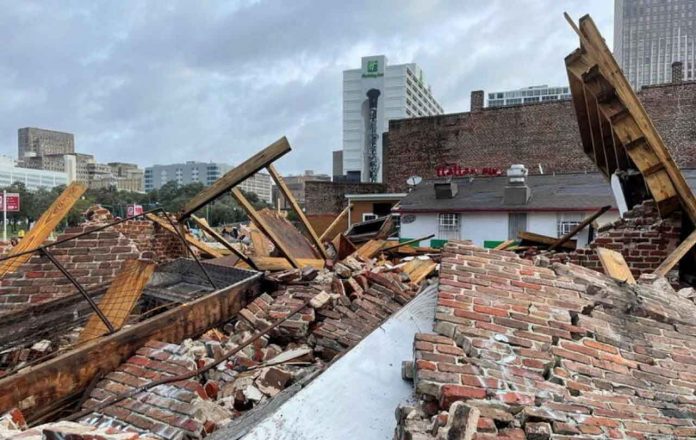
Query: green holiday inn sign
x: 372, y: 70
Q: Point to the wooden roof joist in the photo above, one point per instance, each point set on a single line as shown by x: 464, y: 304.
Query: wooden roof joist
x: 615, y: 129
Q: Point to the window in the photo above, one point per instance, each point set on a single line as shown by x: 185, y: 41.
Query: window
x: 517, y: 222
x: 566, y: 222
x: 448, y: 226
x: 368, y: 216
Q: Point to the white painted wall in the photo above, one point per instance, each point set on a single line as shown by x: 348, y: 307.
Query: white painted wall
x: 481, y: 226
x: 422, y: 226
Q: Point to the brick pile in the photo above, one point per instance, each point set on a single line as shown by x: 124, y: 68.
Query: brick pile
x: 94, y: 260
x: 559, y: 352
x: 641, y: 236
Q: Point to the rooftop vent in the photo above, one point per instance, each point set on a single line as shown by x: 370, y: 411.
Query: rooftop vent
x: 516, y: 190
x: 446, y: 190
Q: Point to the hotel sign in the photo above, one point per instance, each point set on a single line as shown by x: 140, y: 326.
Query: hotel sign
x: 372, y: 69
x: 455, y: 170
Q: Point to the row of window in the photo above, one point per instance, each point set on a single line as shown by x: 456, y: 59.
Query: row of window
x: 448, y: 224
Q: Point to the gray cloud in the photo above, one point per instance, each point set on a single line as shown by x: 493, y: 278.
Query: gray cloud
x: 162, y: 81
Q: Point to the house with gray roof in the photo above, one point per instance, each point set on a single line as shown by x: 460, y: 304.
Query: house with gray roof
x: 488, y: 210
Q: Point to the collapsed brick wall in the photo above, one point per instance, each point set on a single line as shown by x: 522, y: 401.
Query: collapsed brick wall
x: 530, y: 134
x: 559, y: 352
x: 330, y: 197
x: 641, y: 236
x: 94, y: 260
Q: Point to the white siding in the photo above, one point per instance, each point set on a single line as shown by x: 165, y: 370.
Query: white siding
x: 481, y: 226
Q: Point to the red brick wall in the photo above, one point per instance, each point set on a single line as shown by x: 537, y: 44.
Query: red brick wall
x: 641, y: 237
x: 545, y: 133
x: 94, y: 260
x: 330, y: 197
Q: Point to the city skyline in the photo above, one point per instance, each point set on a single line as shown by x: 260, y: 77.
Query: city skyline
x: 231, y: 86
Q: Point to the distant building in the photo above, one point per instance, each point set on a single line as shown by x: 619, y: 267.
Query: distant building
x: 528, y: 95
x: 206, y: 173
x: 31, y: 178
x: 296, y: 185
x: 372, y: 96
x: 649, y: 35
x: 337, y: 164
x: 37, y: 142
x: 129, y: 176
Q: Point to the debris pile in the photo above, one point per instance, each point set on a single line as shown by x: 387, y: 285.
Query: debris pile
x: 526, y: 351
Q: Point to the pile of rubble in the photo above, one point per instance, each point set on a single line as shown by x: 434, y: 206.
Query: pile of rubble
x: 551, y: 351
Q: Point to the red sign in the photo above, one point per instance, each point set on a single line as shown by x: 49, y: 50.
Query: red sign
x: 12, y: 202
x: 459, y: 171
x: 134, y: 210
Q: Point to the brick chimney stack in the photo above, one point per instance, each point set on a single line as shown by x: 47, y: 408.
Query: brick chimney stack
x: 677, y: 72
x: 477, y: 100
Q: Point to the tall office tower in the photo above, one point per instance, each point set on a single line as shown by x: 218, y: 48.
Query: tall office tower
x: 650, y: 35
x: 372, y: 96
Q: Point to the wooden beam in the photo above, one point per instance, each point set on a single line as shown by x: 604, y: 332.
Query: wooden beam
x: 532, y: 237
x: 579, y: 227
x: 327, y: 235
x: 406, y: 243
x: 298, y: 210
x: 236, y: 175
x: 43, y: 227
x: 278, y: 263
x: 615, y: 266
x: 120, y: 298
x: 502, y: 246
x: 595, y: 46
x: 676, y: 255
x: 220, y: 239
x: 189, y: 239
x: 40, y: 385
x: 261, y: 224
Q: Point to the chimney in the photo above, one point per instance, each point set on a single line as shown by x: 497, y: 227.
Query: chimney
x: 446, y: 190
x: 516, y: 190
x: 677, y: 72
x: 477, y: 100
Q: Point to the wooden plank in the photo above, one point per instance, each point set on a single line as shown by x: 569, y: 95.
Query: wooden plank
x: 236, y: 175
x: 259, y: 241
x: 579, y: 227
x: 615, y: 266
x: 331, y: 232
x: 189, y: 239
x: 344, y: 247
x: 261, y: 224
x: 120, y: 298
x: 279, y: 263
x: 43, y: 227
x: 296, y: 207
x: 292, y: 238
x: 504, y: 245
x: 220, y: 239
x: 676, y: 255
x: 578, y: 92
x: 418, y: 269
x: 532, y: 237
x: 40, y: 385
x: 369, y: 249
x: 597, y: 50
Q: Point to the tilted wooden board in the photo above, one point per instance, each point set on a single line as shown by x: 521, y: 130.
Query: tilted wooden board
x: 189, y: 239
x: 259, y: 242
x: 119, y: 300
x: 676, y: 255
x: 279, y: 263
x: 236, y: 175
x: 418, y: 269
x: 369, y: 249
x: 298, y: 244
x: 48, y: 221
x: 614, y: 265
x: 333, y: 228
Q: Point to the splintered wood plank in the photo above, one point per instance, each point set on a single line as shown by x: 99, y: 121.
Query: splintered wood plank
x: 220, y: 239
x: 596, y: 49
x: 189, y: 239
x: 260, y: 222
x: 298, y: 210
x: 504, y: 245
x: 332, y: 230
x: 418, y: 269
x: 369, y: 249
x: 676, y: 255
x: 120, y: 298
x: 531, y: 237
x: 43, y: 227
x: 236, y: 175
x: 278, y: 263
x: 259, y: 242
x: 289, y: 235
x: 615, y: 266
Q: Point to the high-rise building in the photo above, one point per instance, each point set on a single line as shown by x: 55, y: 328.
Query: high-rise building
x: 372, y: 96
x: 37, y: 142
x: 528, y: 95
x: 206, y: 173
x: 649, y: 35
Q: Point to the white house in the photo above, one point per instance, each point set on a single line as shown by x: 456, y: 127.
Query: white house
x: 489, y: 210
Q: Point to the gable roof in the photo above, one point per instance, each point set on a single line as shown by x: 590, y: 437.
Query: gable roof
x: 560, y: 192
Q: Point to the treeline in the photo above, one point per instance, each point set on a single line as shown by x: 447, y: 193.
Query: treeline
x: 171, y: 197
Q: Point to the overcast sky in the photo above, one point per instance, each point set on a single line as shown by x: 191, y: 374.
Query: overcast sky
x: 158, y: 82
